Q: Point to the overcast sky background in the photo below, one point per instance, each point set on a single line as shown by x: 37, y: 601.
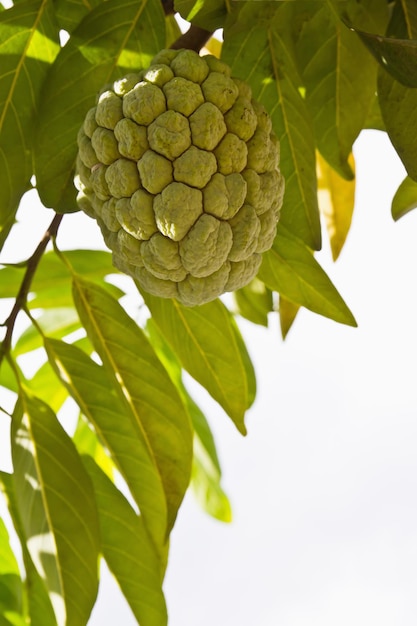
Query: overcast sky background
x: 324, y: 487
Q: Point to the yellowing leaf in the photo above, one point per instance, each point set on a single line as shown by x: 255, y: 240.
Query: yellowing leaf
x: 336, y: 202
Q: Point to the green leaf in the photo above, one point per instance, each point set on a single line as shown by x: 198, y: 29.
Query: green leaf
x: 287, y: 314
x: 58, y: 323
x: 338, y: 94
x: 396, y: 56
x: 45, y: 385
x: 11, y: 586
x: 405, y: 198
x: 115, y: 423
x: 144, y: 385
x: 56, y: 504
x: 254, y: 302
x: 399, y: 111
x: 291, y: 269
x: 206, y: 472
x: 117, y: 37
x: 70, y: 14
x: 209, y: 346
x: 399, y: 103
x: 7, y: 376
x: 268, y: 64
x: 208, y: 15
x: 207, y: 487
x: 128, y: 551
x: 87, y: 442
x: 28, y: 45
x: 52, y: 283
x: 39, y: 607
x: 51, y: 286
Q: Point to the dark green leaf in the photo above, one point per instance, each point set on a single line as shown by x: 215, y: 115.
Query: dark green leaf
x: 397, y: 56
x: 398, y: 103
x: 269, y: 66
x: 254, y: 302
x: 144, y: 385
x: 210, y: 347
x: 57, y: 508
x: 405, y: 198
x: 28, y: 45
x: 128, y: 551
x: 291, y: 269
x: 114, y: 421
x: 399, y: 111
x: 117, y: 37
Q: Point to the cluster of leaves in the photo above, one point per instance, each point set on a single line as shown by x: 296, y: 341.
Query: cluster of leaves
x: 111, y: 485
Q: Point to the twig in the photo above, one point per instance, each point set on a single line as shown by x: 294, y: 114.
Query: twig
x: 21, y: 298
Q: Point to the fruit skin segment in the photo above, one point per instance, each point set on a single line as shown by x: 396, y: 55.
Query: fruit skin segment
x: 179, y: 166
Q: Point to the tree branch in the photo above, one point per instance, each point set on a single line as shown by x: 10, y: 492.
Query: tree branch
x: 194, y: 39
x: 21, y: 298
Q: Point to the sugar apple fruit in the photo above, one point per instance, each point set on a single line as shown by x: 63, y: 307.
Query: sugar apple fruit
x: 179, y: 166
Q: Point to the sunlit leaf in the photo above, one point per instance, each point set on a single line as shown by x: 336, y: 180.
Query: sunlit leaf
x: 210, y: 347
x: 206, y: 472
x: 11, y: 585
x: 405, y: 198
x: 336, y: 202
x: 45, y: 385
x: 87, y: 442
x: 287, y: 313
x: 254, y: 302
x: 39, y: 607
x: 51, y: 286
x: 291, y: 269
x: 339, y: 74
x: 142, y: 383
x: 28, y: 45
x: 58, y: 322
x: 90, y: 60
x: 128, y: 551
x: 57, y: 509
x: 207, y: 487
x: 114, y: 421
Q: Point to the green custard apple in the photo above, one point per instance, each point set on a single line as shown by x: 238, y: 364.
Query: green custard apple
x: 180, y: 168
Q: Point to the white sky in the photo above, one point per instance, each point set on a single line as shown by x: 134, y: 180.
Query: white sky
x: 324, y: 486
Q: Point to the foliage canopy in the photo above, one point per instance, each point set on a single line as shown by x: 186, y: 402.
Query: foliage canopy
x: 111, y: 486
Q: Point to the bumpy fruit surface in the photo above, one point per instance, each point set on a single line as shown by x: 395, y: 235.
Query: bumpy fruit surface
x: 179, y: 166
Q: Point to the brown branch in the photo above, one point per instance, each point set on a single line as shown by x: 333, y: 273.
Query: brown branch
x: 168, y: 7
x: 21, y: 298
x: 194, y: 39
